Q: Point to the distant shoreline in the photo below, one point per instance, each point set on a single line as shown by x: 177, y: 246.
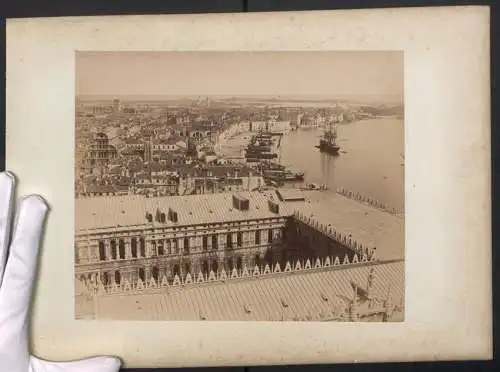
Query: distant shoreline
x: 362, y: 100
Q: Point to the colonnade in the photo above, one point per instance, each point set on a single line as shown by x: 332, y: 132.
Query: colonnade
x: 133, y: 247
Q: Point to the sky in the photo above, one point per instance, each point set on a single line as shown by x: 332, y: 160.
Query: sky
x: 294, y: 74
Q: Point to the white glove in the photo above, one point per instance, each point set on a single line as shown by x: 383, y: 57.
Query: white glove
x: 17, y: 274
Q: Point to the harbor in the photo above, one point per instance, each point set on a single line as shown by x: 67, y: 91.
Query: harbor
x: 363, y: 238
x: 364, y: 165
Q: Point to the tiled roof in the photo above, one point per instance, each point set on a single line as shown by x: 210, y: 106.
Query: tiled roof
x: 216, y: 171
x: 105, y: 188
x: 133, y: 141
x: 102, y: 212
x: 295, y: 296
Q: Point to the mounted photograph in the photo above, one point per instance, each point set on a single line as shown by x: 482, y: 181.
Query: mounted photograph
x: 240, y: 186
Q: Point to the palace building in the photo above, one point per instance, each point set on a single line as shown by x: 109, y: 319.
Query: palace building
x: 199, y: 245
x: 132, y: 239
x: 142, y: 238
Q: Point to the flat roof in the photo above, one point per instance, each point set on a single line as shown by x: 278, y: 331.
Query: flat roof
x: 364, y: 223
x: 290, y: 194
x: 130, y: 210
x: 308, y: 295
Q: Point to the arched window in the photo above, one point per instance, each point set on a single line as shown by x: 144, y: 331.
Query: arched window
x: 155, y: 272
x: 161, y: 250
x: 102, y: 251
x: 270, y: 236
x: 133, y: 247
x: 229, y: 241
x: 121, y: 248
x: 257, y: 237
x: 177, y: 270
x: 215, y: 244
x: 186, y: 245
x: 229, y: 264
x: 187, y: 268
x: 142, y: 274
x: 118, y: 277
x: 257, y: 259
x: 105, y: 278
x: 113, y: 250
x: 205, y: 243
x: 215, y: 266
x: 142, y: 247
x: 239, y: 263
x: 239, y: 238
x: 204, y: 267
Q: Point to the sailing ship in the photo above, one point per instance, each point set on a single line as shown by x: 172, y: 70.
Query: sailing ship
x: 328, y: 142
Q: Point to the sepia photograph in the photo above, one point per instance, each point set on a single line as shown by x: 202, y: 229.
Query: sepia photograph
x: 240, y: 186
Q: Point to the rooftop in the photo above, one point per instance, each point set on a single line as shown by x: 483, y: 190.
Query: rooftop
x: 308, y: 295
x: 130, y: 210
x: 366, y: 224
x: 363, y: 223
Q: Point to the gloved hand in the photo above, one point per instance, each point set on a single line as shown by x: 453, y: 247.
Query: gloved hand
x: 17, y: 274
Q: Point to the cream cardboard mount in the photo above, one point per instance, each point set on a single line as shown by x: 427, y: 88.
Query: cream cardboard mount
x: 447, y: 178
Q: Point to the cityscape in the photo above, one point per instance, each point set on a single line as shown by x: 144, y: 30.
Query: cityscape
x: 239, y: 207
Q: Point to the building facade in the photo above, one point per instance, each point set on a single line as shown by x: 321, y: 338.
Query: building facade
x: 200, y: 235
x: 165, y: 244
x: 99, y: 154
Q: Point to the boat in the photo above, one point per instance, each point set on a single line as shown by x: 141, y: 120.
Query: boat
x: 261, y: 155
x: 260, y: 148
x: 297, y: 174
x: 283, y: 175
x: 314, y: 187
x: 266, y: 165
x: 328, y: 142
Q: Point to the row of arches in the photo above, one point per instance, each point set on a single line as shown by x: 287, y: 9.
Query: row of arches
x: 118, y: 250
x: 239, y: 239
x: 180, y: 269
x: 138, y: 245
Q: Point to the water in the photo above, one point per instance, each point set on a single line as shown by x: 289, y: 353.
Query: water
x: 371, y: 164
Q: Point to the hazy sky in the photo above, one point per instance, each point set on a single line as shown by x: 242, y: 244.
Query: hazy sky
x: 240, y: 73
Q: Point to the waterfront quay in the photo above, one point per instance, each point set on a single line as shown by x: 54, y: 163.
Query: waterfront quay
x: 257, y: 260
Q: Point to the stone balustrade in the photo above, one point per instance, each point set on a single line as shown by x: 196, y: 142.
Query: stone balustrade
x: 369, y: 201
x: 340, y: 237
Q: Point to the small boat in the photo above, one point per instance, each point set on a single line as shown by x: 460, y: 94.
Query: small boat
x: 314, y: 187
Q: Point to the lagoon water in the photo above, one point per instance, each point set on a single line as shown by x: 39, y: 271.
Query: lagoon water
x: 370, y: 162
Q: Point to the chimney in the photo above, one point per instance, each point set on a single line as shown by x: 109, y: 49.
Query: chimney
x: 273, y: 207
x: 241, y: 203
x: 172, y: 215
